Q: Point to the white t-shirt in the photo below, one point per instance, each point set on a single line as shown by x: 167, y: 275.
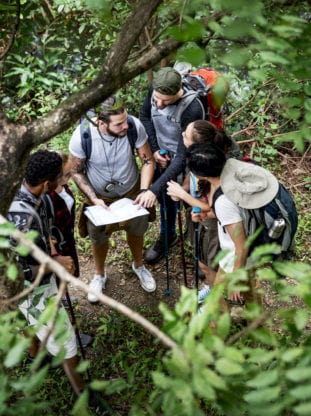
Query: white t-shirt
x: 111, y: 160
x: 68, y: 199
x: 227, y: 213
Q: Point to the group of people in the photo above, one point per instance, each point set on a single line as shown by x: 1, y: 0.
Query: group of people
x: 184, y: 159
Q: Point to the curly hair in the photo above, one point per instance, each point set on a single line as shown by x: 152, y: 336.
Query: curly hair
x: 43, y: 165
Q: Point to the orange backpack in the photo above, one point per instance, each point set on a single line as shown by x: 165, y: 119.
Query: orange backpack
x: 212, y: 88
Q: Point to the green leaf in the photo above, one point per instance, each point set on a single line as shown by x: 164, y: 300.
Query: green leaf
x: 12, y: 272
x: 36, y: 380
x: 99, y: 385
x: 263, y: 395
x: 301, y: 392
x: 15, y: 354
x: 299, y: 374
x: 303, y: 409
x: 293, y: 269
x: 6, y: 229
x: 193, y: 55
x: 223, y: 325
x: 264, y: 379
x: 265, y: 336
x: 273, y: 58
x: 214, y: 379
x: 80, y: 407
x: 202, y: 387
x: 83, y: 366
x: 22, y: 250
x: 292, y: 354
x: 4, y: 243
x: 301, y: 318
x: 116, y: 386
x: 227, y: 367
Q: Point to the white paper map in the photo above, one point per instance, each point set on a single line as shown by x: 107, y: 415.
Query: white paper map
x: 118, y: 211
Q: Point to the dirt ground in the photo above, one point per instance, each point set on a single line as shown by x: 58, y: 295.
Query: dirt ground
x: 123, y: 285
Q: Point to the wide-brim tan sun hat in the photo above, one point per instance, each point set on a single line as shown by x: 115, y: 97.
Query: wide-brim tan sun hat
x: 248, y: 185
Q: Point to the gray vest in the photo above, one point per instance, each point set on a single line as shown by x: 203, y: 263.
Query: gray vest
x: 167, y: 121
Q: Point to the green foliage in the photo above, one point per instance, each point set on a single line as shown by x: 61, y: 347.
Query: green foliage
x: 264, y: 50
x: 209, y: 371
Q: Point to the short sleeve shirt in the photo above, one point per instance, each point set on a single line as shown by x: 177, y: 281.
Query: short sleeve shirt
x: 227, y: 213
x: 111, y: 160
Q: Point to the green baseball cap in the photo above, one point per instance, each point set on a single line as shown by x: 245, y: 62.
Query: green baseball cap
x: 167, y: 81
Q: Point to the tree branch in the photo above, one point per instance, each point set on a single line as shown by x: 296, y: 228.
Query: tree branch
x: 63, y: 275
x: 131, y: 30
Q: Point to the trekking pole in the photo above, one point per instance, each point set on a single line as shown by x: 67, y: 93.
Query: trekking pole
x: 196, y: 210
x: 181, y: 239
x: 74, y: 323
x: 167, y: 290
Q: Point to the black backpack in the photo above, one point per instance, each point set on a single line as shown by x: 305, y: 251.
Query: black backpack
x: 85, y: 133
x: 278, y: 220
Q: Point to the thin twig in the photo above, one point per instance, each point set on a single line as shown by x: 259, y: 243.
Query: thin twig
x: 14, y: 31
x: 250, y: 100
x: 253, y: 325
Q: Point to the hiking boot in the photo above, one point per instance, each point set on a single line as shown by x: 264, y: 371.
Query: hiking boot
x: 147, y: 282
x: 157, y: 251
x: 86, y: 340
x: 97, y: 405
x: 72, y: 299
x: 46, y: 360
x: 203, y: 293
x: 98, y: 283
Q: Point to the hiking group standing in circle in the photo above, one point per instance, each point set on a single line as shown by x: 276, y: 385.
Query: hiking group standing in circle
x: 184, y: 155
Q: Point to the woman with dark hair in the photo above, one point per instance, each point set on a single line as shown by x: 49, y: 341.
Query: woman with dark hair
x: 207, y: 162
x: 195, y: 193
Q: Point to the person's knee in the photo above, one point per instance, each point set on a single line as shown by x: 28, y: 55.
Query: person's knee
x: 137, y: 226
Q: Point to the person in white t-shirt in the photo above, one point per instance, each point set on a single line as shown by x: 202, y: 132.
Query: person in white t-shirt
x: 206, y: 162
x: 108, y: 174
x: 237, y: 184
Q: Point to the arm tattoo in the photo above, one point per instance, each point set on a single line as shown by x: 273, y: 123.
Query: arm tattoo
x: 145, y: 160
x: 78, y: 175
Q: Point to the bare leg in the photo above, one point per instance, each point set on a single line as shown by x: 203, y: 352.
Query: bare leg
x: 73, y: 376
x: 209, y: 273
x: 100, y: 253
x: 136, y: 246
x: 218, y: 279
x: 34, y: 346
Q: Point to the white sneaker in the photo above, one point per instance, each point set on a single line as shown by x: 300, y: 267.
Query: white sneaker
x: 97, y: 283
x: 203, y: 293
x: 147, y: 282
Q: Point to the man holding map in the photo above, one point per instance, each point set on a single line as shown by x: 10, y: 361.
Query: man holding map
x: 105, y: 170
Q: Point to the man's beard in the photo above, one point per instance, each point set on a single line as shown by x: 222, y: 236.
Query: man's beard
x: 113, y: 134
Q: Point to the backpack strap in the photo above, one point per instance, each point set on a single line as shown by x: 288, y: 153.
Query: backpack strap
x: 21, y: 206
x: 86, y: 137
x: 216, y: 195
x: 132, y: 132
x: 184, y: 102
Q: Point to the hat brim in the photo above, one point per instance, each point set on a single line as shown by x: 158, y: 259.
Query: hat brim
x: 233, y: 188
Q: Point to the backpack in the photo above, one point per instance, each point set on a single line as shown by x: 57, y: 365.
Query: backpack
x: 201, y: 84
x: 85, y: 133
x: 281, y: 211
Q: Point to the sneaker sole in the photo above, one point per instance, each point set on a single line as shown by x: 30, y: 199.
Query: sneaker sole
x: 148, y: 290
x: 92, y: 298
x: 145, y: 289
